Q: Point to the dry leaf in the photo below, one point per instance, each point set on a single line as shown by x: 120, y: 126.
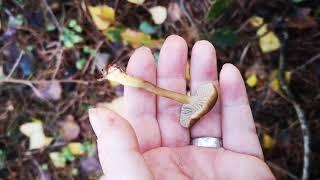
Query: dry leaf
x: 268, y: 141
x: 174, y: 11
x: 262, y: 30
x: 70, y: 128
x: 51, y: 91
x: 159, y: 14
x: 269, y: 42
x: 137, y: 39
x: 102, y: 16
x: 302, y: 19
x: 275, y: 85
x: 256, y: 21
x: 139, y: 2
x: 37, y: 138
x: 57, y: 159
x: 252, y: 80
x: 76, y: 148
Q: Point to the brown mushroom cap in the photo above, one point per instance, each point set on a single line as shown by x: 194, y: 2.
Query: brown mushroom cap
x: 202, y: 102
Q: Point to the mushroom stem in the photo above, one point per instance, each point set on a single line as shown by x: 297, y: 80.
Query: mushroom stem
x: 127, y: 80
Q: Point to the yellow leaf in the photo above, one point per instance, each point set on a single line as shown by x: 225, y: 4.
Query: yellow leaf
x: 102, y: 16
x: 159, y: 14
x: 275, y: 85
x: 287, y: 76
x: 136, y: 39
x: 57, y: 159
x: 268, y: 141
x: 252, y: 80
x: 256, y: 21
x: 76, y: 148
x: 34, y: 131
x: 139, y: 2
x: 269, y: 42
x: 262, y: 30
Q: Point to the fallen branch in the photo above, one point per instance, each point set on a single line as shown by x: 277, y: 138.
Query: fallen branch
x: 281, y: 170
x: 299, y: 111
x: 15, y: 65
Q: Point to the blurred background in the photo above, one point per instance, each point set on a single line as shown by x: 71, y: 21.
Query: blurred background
x: 51, y: 52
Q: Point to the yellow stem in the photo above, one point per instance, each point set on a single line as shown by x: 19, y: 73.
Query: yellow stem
x: 127, y: 80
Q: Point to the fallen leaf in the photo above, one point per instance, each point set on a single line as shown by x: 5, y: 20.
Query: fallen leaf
x: 275, y: 85
x: 103, y: 16
x: 101, y: 60
x: 26, y: 65
x: 34, y: 131
x: 90, y: 165
x: 137, y: 39
x: 218, y: 8
x: 256, y: 21
x: 252, y: 80
x: 139, y: 2
x: 57, y: 159
x: 147, y: 28
x: 301, y: 19
x: 262, y: 30
x: 113, y: 33
x: 70, y: 128
x: 51, y: 91
x: 67, y: 154
x: 269, y: 42
x: 159, y: 14
x: 268, y: 141
x: 224, y: 38
x: 76, y: 148
x: 81, y: 63
x: 174, y: 11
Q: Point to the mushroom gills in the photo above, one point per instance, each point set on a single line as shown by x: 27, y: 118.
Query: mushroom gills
x: 202, y: 102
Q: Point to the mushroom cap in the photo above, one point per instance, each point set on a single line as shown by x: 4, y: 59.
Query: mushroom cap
x: 202, y: 102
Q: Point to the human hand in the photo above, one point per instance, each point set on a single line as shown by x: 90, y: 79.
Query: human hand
x: 149, y: 143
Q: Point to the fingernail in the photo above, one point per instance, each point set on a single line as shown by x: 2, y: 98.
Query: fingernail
x: 144, y: 48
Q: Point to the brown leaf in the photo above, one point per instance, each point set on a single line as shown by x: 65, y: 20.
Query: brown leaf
x: 51, y: 91
x: 301, y: 19
x: 174, y: 12
x: 70, y: 128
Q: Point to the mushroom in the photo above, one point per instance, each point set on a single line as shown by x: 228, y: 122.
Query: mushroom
x: 194, y: 107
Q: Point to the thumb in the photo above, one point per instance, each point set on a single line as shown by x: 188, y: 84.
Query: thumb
x: 117, y: 146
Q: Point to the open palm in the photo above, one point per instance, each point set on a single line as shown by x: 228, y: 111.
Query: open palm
x: 151, y: 144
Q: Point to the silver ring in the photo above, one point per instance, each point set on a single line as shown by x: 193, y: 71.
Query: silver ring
x: 207, y: 142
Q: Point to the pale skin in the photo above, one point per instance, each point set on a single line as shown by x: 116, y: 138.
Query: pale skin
x: 148, y: 142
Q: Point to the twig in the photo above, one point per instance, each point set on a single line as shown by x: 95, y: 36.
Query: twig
x: 28, y: 82
x: 244, y: 53
x: 299, y: 111
x: 311, y: 60
x: 91, y: 58
x: 15, y: 65
x: 281, y: 170
x: 59, y: 61
x: 53, y: 17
